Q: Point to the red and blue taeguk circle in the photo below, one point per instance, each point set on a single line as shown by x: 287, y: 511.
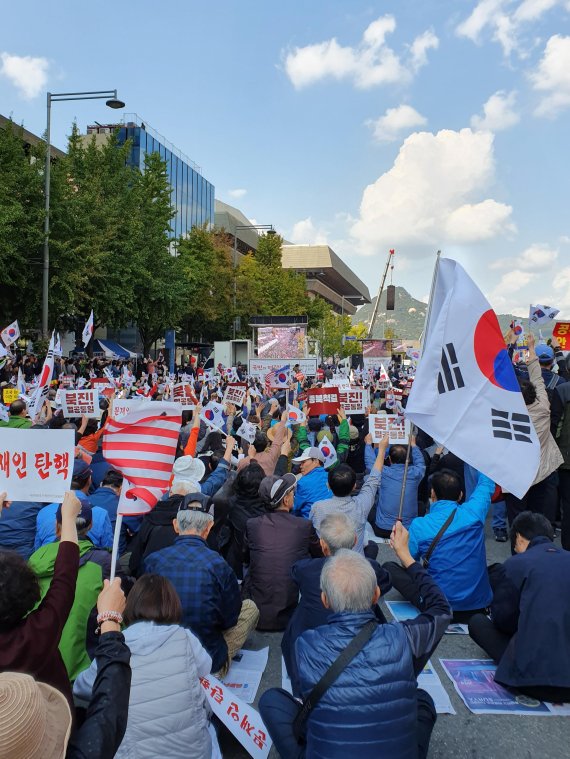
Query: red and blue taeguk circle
x: 209, y: 414
x: 282, y: 377
x: 326, y: 451
x: 491, y: 353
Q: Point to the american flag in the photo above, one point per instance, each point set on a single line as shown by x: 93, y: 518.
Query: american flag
x: 277, y: 378
x: 142, y: 446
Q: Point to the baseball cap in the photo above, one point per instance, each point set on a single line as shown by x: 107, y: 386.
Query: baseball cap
x: 81, y: 470
x: 273, y: 489
x: 310, y: 453
x: 86, y: 513
x: 545, y: 353
x: 195, y: 501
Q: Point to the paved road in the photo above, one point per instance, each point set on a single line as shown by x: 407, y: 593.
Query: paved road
x: 460, y: 736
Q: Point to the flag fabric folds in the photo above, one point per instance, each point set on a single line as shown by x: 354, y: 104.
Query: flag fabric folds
x: 466, y: 394
x: 542, y: 314
x: 42, y: 389
x: 10, y: 333
x: 142, y: 445
x: 88, y: 330
x: 277, y: 378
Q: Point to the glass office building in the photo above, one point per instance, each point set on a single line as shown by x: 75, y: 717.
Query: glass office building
x: 192, y: 194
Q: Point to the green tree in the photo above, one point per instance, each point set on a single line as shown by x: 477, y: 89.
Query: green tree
x: 329, y: 334
x: 21, y: 227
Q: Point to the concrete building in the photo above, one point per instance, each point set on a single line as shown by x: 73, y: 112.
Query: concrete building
x: 29, y: 137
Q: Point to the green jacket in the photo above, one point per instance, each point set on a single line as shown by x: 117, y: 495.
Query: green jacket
x: 343, y: 434
x: 94, y: 567
x: 17, y: 422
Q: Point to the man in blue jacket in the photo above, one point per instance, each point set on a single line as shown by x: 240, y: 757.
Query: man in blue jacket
x: 313, y: 485
x: 529, y: 629
x: 388, y: 497
x: 458, y: 563
x: 374, y: 707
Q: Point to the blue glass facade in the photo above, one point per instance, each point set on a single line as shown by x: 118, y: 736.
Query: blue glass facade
x: 192, y: 194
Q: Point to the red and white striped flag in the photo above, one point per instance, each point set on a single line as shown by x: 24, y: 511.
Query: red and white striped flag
x: 142, y: 445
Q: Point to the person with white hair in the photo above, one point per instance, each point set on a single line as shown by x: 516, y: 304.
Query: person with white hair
x: 358, y: 678
x: 156, y: 529
x: 206, y: 585
x: 337, y: 532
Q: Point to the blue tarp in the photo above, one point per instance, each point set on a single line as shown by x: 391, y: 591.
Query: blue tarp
x: 111, y: 349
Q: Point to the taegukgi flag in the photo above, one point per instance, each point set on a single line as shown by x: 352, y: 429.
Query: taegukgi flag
x: 88, y: 330
x: 329, y: 452
x: 10, y: 334
x: 542, y: 314
x: 466, y: 394
x: 42, y: 389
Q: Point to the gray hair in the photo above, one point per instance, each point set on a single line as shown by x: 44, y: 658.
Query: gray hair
x: 183, y: 487
x: 193, y: 520
x: 337, y: 530
x: 348, y: 581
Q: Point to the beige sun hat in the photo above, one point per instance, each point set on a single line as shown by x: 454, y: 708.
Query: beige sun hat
x: 35, y: 719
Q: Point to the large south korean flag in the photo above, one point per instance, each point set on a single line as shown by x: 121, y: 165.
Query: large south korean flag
x: 465, y: 394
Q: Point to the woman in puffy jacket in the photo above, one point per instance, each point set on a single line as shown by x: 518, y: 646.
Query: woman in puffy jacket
x: 168, y: 713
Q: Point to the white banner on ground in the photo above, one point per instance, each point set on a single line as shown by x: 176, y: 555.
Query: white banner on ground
x: 397, y: 427
x: 36, y: 465
x: 80, y: 403
x: 258, y: 367
x: 243, y: 721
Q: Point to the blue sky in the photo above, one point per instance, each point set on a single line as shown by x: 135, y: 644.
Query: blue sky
x: 407, y: 125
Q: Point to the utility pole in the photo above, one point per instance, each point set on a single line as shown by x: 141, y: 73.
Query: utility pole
x: 381, y: 289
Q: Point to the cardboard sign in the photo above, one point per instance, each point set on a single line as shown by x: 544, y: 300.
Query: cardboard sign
x: 561, y: 332
x: 36, y: 465
x: 183, y: 393
x: 397, y: 427
x: 240, y: 719
x: 10, y: 394
x: 235, y: 393
x: 80, y: 403
x: 354, y: 400
x: 66, y: 380
x: 323, y: 400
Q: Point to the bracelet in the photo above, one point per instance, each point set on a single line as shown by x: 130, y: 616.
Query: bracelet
x: 108, y: 616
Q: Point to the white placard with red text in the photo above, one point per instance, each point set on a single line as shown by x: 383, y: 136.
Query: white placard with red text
x: 235, y: 394
x: 242, y: 720
x: 80, y: 403
x: 36, y: 465
x: 183, y: 393
x: 397, y: 427
x: 354, y: 400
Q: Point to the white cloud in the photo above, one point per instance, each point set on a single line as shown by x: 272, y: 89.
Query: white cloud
x: 304, y: 232
x: 552, y: 77
x: 498, y: 113
x: 434, y: 193
x: 508, y: 24
x: 237, y: 193
x: 513, y: 281
x: 419, y: 48
x: 369, y: 63
x: 27, y: 74
x: 537, y: 257
x: 395, y: 122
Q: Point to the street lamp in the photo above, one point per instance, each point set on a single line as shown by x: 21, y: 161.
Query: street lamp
x: 268, y: 228
x: 112, y: 101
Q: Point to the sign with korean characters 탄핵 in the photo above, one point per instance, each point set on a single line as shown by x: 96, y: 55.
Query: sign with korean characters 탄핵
x: 36, y: 465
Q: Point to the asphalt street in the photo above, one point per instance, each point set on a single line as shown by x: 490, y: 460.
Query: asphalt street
x: 461, y: 736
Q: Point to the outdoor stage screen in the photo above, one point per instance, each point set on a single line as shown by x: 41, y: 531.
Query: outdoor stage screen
x: 377, y: 348
x: 281, y: 342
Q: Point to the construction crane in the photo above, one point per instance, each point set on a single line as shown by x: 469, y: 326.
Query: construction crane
x: 380, y: 291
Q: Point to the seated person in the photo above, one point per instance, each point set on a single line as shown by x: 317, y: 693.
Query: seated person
x: 387, y: 506
x: 313, y: 484
x: 458, y: 562
x: 273, y: 543
x: 529, y: 631
x: 337, y: 531
x: 373, y: 708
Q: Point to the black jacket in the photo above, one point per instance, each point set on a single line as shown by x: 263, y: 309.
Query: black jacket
x: 241, y: 509
x: 106, y: 721
x: 156, y: 532
x: 532, y: 603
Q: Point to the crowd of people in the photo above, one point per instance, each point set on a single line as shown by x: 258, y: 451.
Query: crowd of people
x: 266, y: 535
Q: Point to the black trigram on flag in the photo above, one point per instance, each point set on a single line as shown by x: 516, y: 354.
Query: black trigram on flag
x: 511, y: 426
x: 450, y: 377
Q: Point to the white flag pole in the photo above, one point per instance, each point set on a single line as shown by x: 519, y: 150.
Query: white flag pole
x: 412, y: 426
x: 115, y: 551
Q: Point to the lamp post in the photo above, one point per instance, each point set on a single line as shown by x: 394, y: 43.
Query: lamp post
x: 112, y: 102
x: 268, y: 228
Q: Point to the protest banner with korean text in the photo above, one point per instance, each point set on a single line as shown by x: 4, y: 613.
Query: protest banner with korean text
x: 80, y: 403
x: 235, y: 393
x: 561, y: 332
x: 323, y: 400
x: 10, y: 394
x: 36, y: 465
x: 242, y: 720
x: 354, y: 401
x: 183, y: 393
x: 397, y: 427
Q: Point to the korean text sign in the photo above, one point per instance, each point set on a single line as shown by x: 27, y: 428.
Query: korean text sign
x: 235, y: 393
x: 397, y: 427
x: 353, y: 400
x: 323, y: 400
x: 562, y: 333
x: 36, y: 465
x: 81, y: 403
x: 182, y: 393
x: 241, y: 719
